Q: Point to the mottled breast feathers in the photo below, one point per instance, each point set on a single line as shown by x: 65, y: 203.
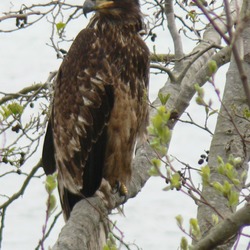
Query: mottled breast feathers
x: 99, y: 109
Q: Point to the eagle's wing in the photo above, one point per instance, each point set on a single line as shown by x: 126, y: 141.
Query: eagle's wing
x: 82, y: 104
x: 48, y: 155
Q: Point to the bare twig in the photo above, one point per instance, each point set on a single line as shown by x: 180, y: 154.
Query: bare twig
x: 19, y: 16
x: 23, y: 187
x: 23, y: 92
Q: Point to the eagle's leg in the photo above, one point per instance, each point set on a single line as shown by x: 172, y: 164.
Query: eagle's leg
x: 104, y: 192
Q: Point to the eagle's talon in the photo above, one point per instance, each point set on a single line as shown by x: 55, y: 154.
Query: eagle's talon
x: 120, y: 188
x: 123, y: 191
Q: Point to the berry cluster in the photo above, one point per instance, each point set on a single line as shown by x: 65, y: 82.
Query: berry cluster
x: 203, y: 158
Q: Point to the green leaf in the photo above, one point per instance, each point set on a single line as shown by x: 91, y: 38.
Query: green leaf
x: 15, y: 108
x: 50, y: 183
x: 199, y: 101
x: 107, y: 247
x: 163, y: 98
x: 184, y: 244
x: 227, y: 189
x: 157, y: 122
x: 230, y: 171
x: 218, y: 186
x: 215, y: 219
x: 159, y: 131
x: 156, y: 145
x: 246, y: 113
x: 110, y: 243
x: 212, y: 66
x: 205, y: 174
x: 60, y: 26
x: 179, y: 220
x: 194, y: 228
x: 153, y: 171
x: 221, y: 169
x: 199, y: 90
x: 5, y: 112
x: 192, y: 14
x: 243, y: 175
x: 11, y: 109
x: 175, y: 181
x: 156, y: 162
x: 220, y: 160
x: 233, y: 198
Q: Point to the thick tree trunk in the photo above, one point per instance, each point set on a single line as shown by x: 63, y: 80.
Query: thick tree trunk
x: 231, y: 136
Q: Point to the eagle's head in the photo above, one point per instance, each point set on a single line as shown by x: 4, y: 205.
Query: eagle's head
x: 113, y: 8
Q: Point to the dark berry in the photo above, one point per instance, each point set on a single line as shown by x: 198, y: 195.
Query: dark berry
x: 201, y: 161
x: 16, y: 128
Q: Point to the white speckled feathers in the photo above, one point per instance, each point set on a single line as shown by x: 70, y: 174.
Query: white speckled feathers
x: 100, y: 106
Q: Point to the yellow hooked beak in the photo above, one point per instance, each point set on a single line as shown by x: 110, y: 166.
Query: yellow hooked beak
x: 90, y: 5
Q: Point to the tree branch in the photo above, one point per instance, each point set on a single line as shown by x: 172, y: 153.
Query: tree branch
x: 178, y: 48
x: 22, y: 189
x: 19, y: 16
x: 24, y: 91
x: 225, y: 230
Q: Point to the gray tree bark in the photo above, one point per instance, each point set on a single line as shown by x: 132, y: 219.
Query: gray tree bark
x: 231, y: 137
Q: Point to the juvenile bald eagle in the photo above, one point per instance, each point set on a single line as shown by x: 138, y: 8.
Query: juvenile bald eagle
x: 100, y: 103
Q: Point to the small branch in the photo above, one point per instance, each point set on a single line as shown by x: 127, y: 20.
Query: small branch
x: 24, y: 91
x: 2, y: 225
x: 20, y: 16
x: 52, y: 225
x: 192, y: 122
x: 25, y: 184
x: 44, y: 10
x: 162, y: 68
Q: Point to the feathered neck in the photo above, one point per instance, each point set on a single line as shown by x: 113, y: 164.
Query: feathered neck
x: 132, y: 22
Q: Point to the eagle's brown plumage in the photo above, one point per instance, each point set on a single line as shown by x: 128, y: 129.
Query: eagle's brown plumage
x: 100, y: 103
